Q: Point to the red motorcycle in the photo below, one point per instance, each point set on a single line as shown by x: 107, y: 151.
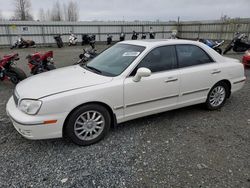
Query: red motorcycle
x: 10, y: 72
x: 39, y: 62
x: 246, y: 59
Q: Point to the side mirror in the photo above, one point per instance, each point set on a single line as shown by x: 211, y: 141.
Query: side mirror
x: 141, y: 72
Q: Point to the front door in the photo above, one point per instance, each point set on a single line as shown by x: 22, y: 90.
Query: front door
x: 157, y: 92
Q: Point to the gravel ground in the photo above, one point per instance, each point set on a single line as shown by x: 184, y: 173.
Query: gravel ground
x: 189, y: 147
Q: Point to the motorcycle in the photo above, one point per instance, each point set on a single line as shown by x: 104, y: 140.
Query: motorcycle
x: 246, y: 59
x: 59, y: 41
x: 173, y: 35
x: 213, y: 44
x: 152, y: 35
x: 86, y: 39
x: 109, y: 39
x: 238, y: 44
x: 143, y: 36
x: 72, y: 39
x: 134, y: 36
x: 10, y: 72
x: 39, y: 62
x: 122, y: 36
x: 87, y: 55
x: 21, y: 43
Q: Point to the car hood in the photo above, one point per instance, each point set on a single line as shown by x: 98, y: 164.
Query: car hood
x: 57, y: 81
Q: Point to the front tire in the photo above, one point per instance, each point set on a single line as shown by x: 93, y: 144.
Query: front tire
x: 88, y: 124
x: 51, y: 67
x: 217, y: 96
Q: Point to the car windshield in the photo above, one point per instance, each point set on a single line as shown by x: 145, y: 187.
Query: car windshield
x: 114, y: 60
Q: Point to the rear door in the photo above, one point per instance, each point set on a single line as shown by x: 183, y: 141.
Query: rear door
x: 198, y: 73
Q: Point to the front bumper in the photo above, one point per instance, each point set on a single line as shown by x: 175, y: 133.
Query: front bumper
x: 33, y: 127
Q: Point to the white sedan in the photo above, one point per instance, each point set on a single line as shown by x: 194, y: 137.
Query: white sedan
x: 131, y: 79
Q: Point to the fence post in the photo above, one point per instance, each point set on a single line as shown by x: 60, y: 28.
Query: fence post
x: 43, y: 35
x: 248, y: 34
x: 221, y: 29
x: 99, y: 32
x: 199, y: 30
x: 7, y: 27
x: 179, y: 26
x: 163, y: 31
x: 122, y: 29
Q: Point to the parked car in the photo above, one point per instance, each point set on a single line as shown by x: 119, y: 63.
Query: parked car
x: 129, y: 80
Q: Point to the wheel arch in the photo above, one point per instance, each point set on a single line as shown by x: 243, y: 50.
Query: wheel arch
x: 112, y: 114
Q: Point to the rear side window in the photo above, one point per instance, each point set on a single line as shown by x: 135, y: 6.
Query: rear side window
x: 160, y: 59
x: 190, y: 55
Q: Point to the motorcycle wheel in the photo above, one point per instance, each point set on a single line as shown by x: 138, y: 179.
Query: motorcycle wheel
x: 17, y: 75
x: 59, y: 45
x: 228, y: 48
x: 51, y: 67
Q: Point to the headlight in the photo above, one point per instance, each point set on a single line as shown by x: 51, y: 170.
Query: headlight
x: 29, y: 106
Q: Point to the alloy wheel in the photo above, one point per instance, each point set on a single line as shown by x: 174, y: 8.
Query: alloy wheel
x: 89, y: 125
x: 217, y: 96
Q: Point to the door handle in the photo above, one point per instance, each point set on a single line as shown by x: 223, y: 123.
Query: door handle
x: 171, y: 79
x: 216, y: 71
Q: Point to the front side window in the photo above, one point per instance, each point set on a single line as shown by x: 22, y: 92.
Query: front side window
x: 159, y: 59
x: 189, y: 55
x: 113, y: 61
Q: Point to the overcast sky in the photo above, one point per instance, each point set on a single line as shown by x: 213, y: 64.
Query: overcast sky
x: 150, y: 10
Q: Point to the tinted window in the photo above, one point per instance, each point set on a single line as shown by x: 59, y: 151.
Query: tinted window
x: 189, y: 55
x: 159, y: 59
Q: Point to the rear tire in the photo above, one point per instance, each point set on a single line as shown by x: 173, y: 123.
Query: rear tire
x: 217, y: 96
x: 17, y: 75
x: 88, y: 124
x: 228, y: 48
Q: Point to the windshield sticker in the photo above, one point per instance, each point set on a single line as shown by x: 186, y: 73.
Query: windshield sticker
x: 133, y: 54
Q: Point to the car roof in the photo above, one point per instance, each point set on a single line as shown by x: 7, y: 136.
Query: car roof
x: 152, y: 43
x: 158, y: 42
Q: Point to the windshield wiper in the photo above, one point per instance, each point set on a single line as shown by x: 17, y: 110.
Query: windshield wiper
x: 93, y: 69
